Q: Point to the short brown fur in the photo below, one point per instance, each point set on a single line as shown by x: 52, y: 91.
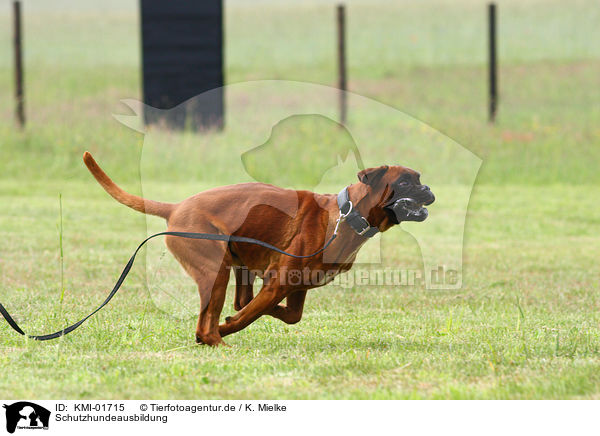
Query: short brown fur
x: 252, y: 210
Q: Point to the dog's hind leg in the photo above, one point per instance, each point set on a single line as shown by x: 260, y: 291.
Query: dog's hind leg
x: 244, y: 280
x: 291, y: 313
x: 207, y: 329
x: 209, y: 264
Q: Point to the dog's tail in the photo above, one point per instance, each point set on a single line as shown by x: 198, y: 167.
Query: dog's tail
x: 133, y: 201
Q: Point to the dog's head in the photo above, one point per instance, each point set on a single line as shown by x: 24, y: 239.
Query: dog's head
x: 401, y: 195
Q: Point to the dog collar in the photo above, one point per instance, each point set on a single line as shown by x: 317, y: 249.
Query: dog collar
x: 354, y: 219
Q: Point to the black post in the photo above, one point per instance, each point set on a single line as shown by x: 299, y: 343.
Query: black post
x: 18, y: 48
x: 493, y: 74
x: 341, y: 33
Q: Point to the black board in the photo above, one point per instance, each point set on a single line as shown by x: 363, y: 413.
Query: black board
x: 182, y: 57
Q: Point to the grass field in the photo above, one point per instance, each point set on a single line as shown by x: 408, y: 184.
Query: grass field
x: 524, y: 325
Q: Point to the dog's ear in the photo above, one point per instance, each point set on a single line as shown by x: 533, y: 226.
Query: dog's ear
x: 372, y: 176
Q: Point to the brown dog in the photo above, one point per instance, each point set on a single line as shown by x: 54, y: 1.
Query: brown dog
x: 384, y: 197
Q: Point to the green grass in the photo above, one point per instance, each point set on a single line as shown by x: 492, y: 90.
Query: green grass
x: 524, y: 325
x: 529, y: 284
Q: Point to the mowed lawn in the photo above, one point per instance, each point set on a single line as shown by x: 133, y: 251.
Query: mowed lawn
x: 524, y: 325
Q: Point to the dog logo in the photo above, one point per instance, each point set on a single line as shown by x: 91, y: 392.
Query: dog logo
x: 325, y: 143
x: 285, y: 133
x: 26, y: 415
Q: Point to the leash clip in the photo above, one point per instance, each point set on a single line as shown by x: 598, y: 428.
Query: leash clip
x: 341, y: 218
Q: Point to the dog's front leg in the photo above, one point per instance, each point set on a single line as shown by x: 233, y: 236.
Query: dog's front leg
x: 268, y: 297
x: 291, y: 313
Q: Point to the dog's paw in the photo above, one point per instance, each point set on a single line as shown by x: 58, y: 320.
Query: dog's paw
x: 211, y: 340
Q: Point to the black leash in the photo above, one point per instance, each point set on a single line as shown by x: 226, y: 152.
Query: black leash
x: 208, y: 236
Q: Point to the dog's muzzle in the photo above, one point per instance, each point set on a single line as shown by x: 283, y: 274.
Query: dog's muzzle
x: 405, y: 207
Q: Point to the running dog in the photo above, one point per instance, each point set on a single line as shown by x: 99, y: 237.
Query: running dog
x: 383, y: 197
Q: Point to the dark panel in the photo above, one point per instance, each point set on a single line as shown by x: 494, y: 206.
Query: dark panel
x: 182, y: 57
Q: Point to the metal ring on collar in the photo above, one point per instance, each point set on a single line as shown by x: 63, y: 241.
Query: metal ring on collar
x: 344, y: 215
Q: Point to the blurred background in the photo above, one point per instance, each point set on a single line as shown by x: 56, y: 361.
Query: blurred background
x: 428, y: 59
